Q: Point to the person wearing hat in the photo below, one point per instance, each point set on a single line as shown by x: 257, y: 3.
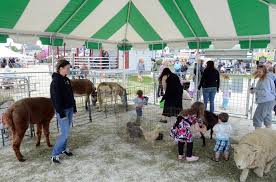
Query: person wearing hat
x: 65, y: 106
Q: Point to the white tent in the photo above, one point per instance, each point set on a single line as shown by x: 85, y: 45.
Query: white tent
x: 141, y: 23
x: 6, y: 52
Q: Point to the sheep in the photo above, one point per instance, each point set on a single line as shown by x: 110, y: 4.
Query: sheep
x: 152, y: 136
x: 256, y: 151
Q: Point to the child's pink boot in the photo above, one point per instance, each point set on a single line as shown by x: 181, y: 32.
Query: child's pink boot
x: 192, y: 158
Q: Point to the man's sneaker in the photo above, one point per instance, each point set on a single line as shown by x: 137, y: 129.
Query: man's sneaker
x: 55, y: 160
x: 68, y: 153
x: 192, y: 158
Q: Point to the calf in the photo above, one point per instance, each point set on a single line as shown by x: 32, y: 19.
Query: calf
x: 28, y: 111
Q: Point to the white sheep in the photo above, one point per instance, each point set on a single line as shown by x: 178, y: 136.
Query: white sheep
x: 256, y: 151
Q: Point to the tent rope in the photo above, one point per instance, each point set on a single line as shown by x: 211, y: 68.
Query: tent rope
x: 185, y: 19
x: 127, y: 20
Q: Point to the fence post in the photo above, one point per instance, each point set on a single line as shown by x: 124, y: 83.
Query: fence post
x: 93, y: 75
x: 247, y: 99
x: 28, y: 86
x: 3, y: 137
x: 252, y: 101
x: 154, y: 89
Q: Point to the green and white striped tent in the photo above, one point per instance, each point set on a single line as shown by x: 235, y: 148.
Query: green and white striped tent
x: 140, y: 23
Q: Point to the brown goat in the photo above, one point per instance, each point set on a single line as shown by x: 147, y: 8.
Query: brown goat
x: 112, y: 90
x: 28, y: 111
x: 84, y: 87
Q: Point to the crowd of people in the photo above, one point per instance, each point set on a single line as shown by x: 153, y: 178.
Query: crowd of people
x: 234, y: 67
x: 10, y: 62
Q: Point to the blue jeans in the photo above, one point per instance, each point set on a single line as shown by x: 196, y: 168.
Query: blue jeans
x: 209, y: 95
x: 225, y: 103
x: 139, y: 112
x: 64, y: 124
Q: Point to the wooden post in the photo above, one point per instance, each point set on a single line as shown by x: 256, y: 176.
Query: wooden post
x: 126, y: 59
x: 77, y: 52
x: 101, y: 54
x: 90, y: 52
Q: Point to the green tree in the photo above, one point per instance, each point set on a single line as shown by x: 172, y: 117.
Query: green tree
x: 14, y: 48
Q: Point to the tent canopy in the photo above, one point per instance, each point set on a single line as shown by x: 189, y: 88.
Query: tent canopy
x: 155, y: 23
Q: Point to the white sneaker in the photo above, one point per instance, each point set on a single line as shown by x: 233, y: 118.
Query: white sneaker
x: 192, y: 158
x: 181, y: 157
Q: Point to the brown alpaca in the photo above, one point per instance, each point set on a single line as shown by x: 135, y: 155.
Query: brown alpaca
x: 28, y: 111
x: 84, y: 87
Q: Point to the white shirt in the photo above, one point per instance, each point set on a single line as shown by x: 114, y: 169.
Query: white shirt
x: 222, y: 131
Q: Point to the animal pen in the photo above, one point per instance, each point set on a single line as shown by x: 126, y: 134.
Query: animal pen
x: 15, y: 86
x: 103, y: 151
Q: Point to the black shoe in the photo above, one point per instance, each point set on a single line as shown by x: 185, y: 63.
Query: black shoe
x: 160, y: 136
x: 67, y: 153
x: 163, y: 121
x: 55, y: 160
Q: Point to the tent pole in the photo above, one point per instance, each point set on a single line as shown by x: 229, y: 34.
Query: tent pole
x: 253, y: 84
x: 53, y: 65
x: 197, y: 95
x: 124, y: 67
x: 58, y: 52
x: 64, y: 49
x: 117, y: 59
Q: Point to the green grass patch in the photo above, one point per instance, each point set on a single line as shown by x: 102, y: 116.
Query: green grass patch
x: 147, y: 79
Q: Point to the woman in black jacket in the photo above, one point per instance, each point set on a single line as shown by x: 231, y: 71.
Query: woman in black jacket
x: 210, y: 82
x: 173, y: 94
x: 65, y: 106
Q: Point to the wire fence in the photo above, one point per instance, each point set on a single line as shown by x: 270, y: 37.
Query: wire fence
x: 15, y: 86
x: 19, y: 85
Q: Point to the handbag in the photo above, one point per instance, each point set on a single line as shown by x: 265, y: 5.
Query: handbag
x: 162, y: 103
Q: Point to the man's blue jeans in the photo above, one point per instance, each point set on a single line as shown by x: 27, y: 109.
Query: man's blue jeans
x: 64, y: 125
x: 209, y: 96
